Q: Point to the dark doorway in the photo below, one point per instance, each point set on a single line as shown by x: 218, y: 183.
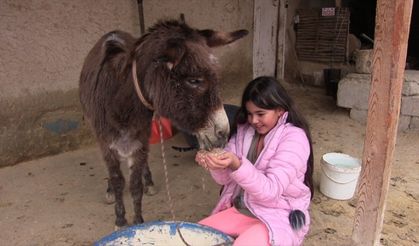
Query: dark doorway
x: 362, y: 25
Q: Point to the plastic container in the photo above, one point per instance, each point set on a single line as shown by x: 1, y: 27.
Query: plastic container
x: 339, y: 175
x: 166, y: 233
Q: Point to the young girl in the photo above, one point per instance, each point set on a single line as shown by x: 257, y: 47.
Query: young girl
x: 265, y: 170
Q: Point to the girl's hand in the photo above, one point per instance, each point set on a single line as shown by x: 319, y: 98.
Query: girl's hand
x: 222, y: 161
x: 200, y: 158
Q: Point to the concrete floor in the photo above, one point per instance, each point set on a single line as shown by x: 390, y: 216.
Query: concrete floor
x: 59, y: 200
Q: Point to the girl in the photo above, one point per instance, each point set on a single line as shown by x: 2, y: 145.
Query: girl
x: 265, y: 170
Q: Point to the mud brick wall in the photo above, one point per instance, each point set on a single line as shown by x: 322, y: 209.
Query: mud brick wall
x: 44, y: 44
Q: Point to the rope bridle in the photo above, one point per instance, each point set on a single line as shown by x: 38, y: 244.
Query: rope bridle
x: 137, y: 87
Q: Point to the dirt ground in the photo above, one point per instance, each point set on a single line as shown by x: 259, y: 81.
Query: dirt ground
x: 59, y: 200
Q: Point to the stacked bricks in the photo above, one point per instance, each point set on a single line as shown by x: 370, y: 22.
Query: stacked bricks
x: 354, y: 89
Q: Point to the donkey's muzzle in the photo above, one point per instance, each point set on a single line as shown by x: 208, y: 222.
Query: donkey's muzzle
x: 215, y: 134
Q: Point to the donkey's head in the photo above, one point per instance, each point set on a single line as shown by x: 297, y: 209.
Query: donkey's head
x: 178, y: 77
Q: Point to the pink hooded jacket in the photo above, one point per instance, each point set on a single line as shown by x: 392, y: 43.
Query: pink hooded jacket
x: 273, y: 186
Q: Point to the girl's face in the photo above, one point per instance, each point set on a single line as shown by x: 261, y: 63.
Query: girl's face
x: 263, y: 120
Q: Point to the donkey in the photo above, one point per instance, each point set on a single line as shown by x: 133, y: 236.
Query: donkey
x: 170, y: 72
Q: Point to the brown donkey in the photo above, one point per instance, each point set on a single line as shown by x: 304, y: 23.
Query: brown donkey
x: 171, y: 72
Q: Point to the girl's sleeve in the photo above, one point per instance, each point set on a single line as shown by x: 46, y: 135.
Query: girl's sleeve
x: 288, y: 163
x: 222, y: 176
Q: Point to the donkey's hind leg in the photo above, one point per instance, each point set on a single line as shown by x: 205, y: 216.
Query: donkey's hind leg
x: 149, y: 188
x: 110, y: 194
x: 148, y: 180
x: 117, y: 184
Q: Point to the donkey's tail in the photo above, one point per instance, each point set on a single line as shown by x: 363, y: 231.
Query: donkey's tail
x: 112, y: 50
x: 114, y: 43
x: 108, y: 46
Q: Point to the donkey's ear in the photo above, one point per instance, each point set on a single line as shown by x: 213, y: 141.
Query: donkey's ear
x: 173, y: 53
x: 215, y: 38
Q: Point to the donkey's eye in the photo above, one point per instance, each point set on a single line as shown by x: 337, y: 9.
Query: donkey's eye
x: 195, y: 82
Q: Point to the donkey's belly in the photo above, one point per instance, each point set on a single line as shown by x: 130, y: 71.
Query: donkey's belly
x: 126, y: 145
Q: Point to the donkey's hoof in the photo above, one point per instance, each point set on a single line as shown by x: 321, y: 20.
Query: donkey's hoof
x: 138, y: 220
x: 150, y: 190
x: 109, y: 198
x: 117, y: 228
x: 120, y: 223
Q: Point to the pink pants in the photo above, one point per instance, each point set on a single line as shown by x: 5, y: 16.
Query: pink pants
x: 248, y: 230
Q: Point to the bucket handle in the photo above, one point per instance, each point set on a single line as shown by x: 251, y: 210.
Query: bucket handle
x: 339, y: 182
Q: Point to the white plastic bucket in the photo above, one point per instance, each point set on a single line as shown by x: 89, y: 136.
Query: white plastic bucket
x: 339, y: 175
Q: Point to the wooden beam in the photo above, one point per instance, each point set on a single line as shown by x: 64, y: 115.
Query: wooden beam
x: 281, y: 40
x: 389, y: 58
x: 140, y: 6
x: 265, y: 37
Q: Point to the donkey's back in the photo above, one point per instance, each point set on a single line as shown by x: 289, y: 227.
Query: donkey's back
x: 103, y: 78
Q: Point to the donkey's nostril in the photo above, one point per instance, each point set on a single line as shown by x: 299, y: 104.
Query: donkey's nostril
x: 222, y: 138
x: 222, y: 134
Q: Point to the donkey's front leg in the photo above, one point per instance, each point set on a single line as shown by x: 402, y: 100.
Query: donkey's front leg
x: 136, y: 188
x: 136, y: 183
x: 117, y: 182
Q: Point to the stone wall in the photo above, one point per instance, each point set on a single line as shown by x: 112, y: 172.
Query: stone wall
x: 43, y: 47
x: 353, y: 93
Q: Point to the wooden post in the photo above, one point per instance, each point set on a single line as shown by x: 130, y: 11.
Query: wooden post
x: 265, y: 37
x: 140, y: 6
x: 389, y: 58
x: 281, y: 40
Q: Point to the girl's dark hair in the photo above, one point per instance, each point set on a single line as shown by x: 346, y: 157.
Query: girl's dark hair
x: 267, y: 93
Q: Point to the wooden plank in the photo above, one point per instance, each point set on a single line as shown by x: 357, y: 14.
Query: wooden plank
x: 389, y: 57
x: 265, y: 37
x: 282, y: 32
x: 140, y: 6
